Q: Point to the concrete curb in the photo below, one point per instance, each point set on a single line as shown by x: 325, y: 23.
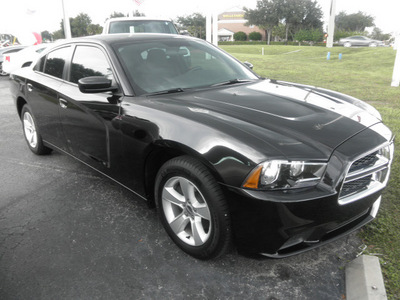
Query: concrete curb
x: 364, y: 279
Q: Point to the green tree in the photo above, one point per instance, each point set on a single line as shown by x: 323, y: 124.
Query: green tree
x: 316, y: 35
x: 46, y: 36
x: 195, y: 24
x: 377, y: 34
x: 299, y: 14
x: 264, y: 16
x: 302, y: 35
x: 295, y: 14
x: 93, y: 29
x: 80, y: 24
x: 117, y: 15
x: 279, y: 31
x: 356, y: 22
x: 137, y: 13
x: 58, y: 34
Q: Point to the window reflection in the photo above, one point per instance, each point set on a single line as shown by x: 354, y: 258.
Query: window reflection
x: 55, y: 62
x: 89, y: 61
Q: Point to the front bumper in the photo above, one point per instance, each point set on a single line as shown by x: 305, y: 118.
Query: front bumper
x: 280, y: 229
x: 286, y: 222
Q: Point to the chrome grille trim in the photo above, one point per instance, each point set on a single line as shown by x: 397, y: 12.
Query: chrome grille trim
x: 366, y: 175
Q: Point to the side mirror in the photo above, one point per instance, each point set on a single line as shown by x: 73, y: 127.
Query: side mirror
x: 249, y: 65
x: 95, y: 84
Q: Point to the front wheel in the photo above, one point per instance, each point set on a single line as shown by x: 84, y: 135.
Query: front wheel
x: 31, y: 133
x: 192, y: 208
x: 347, y: 44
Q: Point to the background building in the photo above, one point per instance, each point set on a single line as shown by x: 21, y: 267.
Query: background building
x: 233, y: 21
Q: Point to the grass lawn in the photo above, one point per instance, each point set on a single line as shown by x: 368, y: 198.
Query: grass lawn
x: 364, y: 73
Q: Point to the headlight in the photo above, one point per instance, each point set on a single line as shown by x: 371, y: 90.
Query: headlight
x: 282, y: 174
x: 387, y: 152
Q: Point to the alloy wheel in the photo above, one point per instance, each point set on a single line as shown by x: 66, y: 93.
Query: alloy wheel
x: 186, y: 211
x: 30, y: 130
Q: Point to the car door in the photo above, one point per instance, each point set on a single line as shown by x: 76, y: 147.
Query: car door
x: 87, y: 119
x: 42, y: 94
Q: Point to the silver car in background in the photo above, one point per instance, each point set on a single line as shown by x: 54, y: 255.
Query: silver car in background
x: 359, y: 40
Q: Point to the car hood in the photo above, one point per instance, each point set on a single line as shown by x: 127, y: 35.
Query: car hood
x: 279, y: 118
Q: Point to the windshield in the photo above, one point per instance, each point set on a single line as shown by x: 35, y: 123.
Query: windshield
x: 178, y: 64
x: 138, y: 26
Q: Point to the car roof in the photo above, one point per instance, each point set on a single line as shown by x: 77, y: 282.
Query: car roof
x: 5, y: 49
x: 137, y: 19
x: 109, y: 39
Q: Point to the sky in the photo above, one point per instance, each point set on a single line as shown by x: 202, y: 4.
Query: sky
x: 38, y: 15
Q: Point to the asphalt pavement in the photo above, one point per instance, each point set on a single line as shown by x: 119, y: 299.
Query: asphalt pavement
x: 66, y: 232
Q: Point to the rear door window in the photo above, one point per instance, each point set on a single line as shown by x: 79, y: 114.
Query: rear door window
x: 55, y: 62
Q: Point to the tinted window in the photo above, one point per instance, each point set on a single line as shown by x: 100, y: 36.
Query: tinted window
x: 154, y: 66
x: 55, y: 62
x: 89, y: 61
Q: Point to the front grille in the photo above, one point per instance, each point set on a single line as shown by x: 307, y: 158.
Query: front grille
x: 364, y: 162
x: 367, y: 175
x: 355, y: 186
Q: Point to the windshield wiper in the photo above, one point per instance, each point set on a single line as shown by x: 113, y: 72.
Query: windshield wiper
x: 232, y: 81
x: 170, y: 91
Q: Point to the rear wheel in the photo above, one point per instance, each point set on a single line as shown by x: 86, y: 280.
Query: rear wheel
x: 192, y: 208
x: 31, y: 133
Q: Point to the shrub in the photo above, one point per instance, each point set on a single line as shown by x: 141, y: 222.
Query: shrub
x: 255, y: 36
x: 240, y: 36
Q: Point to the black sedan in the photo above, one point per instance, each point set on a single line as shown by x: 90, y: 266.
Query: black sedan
x: 228, y: 158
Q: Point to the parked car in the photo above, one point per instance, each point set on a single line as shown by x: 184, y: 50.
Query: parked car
x: 359, y: 40
x: 6, y: 51
x: 139, y: 25
x: 22, y: 58
x: 225, y: 155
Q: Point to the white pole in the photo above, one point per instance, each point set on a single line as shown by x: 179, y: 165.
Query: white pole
x: 396, y: 68
x: 331, y: 25
x: 208, y: 27
x: 67, y: 26
x: 215, y: 29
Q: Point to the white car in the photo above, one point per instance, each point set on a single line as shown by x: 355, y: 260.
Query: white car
x: 23, y: 58
x: 139, y: 25
x: 5, y: 51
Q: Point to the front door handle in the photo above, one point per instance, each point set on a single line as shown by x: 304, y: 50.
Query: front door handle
x: 63, y: 102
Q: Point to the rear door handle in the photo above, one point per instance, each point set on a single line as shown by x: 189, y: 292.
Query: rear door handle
x: 63, y: 102
x: 29, y: 87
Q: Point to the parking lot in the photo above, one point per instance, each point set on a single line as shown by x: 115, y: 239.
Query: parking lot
x: 66, y: 232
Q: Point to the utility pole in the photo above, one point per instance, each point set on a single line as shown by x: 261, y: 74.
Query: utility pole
x: 331, y: 25
x: 209, y: 27
x: 212, y: 28
x: 396, y: 68
x: 67, y: 26
x: 215, y: 29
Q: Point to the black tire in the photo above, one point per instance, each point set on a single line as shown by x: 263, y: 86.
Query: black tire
x: 31, y: 132
x: 197, y: 220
